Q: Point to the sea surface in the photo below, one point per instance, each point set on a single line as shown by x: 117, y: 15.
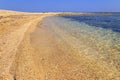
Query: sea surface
x: 108, y: 22
x: 96, y: 35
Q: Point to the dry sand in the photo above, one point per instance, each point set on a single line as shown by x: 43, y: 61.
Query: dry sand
x: 29, y: 51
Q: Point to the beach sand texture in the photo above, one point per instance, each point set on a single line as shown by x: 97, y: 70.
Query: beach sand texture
x: 31, y: 51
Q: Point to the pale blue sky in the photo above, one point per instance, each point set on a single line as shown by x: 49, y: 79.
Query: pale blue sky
x: 61, y: 5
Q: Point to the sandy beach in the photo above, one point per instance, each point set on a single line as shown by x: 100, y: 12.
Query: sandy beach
x: 31, y: 51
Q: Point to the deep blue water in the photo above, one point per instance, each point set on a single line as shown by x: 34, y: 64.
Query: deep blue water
x: 108, y: 22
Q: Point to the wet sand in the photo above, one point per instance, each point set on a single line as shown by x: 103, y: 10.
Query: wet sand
x: 32, y: 51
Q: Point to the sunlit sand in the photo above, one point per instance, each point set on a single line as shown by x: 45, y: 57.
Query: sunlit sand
x: 30, y: 49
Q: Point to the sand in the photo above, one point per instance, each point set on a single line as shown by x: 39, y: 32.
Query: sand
x: 30, y: 51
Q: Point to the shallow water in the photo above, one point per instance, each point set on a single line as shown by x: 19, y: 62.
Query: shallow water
x: 98, y: 41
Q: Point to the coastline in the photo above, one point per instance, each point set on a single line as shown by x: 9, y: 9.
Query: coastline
x: 30, y: 52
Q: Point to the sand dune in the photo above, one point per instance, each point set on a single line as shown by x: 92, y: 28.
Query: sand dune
x: 29, y: 51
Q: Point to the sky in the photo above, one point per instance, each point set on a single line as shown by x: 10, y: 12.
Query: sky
x: 61, y: 5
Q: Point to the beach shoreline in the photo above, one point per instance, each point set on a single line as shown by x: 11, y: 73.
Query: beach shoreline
x: 33, y: 50
x: 10, y: 39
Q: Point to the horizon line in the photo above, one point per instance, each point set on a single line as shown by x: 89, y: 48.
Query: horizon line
x: 62, y: 11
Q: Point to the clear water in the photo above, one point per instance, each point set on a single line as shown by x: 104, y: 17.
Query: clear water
x: 92, y: 35
x: 109, y: 22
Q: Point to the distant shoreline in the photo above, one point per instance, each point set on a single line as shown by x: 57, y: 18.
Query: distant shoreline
x: 11, y: 12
